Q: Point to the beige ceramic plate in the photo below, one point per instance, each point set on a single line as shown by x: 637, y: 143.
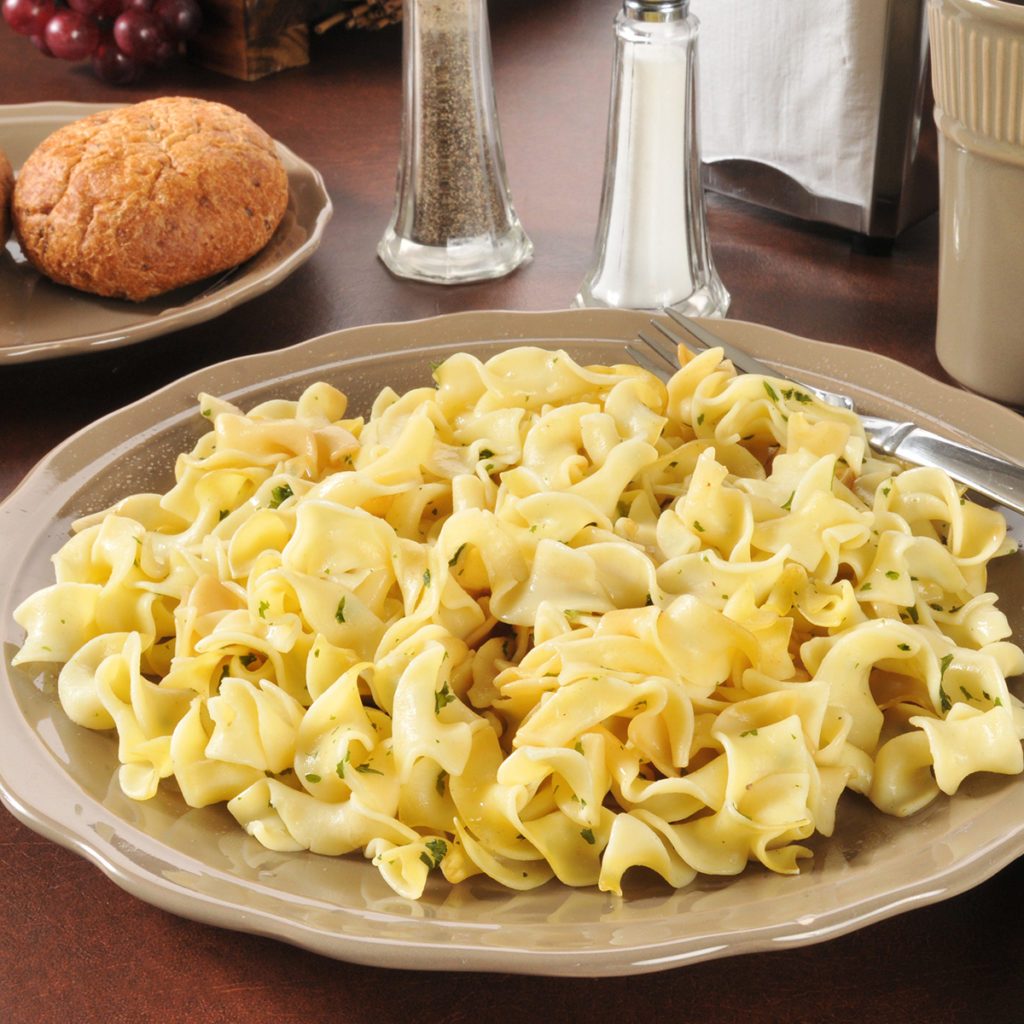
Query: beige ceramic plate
x: 60, y: 779
x: 43, y: 320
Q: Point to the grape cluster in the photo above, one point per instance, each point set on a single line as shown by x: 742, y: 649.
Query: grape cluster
x: 121, y: 37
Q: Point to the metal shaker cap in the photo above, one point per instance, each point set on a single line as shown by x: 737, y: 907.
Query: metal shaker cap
x: 656, y: 10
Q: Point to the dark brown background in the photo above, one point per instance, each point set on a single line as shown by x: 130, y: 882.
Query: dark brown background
x: 73, y: 947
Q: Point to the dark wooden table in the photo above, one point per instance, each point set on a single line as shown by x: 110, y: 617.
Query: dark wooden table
x: 74, y: 948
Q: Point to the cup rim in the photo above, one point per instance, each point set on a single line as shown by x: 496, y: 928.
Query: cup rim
x: 999, y: 11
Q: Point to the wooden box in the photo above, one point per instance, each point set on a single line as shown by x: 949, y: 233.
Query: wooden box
x: 252, y: 38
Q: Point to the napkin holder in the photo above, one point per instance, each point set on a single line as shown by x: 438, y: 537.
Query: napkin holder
x: 887, y: 103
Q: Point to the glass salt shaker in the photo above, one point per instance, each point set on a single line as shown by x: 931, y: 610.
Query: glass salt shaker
x: 652, y: 248
x: 453, y: 219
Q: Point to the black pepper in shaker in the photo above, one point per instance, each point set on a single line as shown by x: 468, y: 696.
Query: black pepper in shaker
x: 453, y: 218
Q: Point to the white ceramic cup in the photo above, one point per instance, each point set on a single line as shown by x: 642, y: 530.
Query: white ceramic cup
x: 978, y: 79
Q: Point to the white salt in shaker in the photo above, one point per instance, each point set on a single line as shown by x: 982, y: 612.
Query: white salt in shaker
x: 652, y: 246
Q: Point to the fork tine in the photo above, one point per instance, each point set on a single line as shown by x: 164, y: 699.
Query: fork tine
x: 675, y: 340
x: 667, y: 354
x: 702, y: 335
x: 746, y: 363
x: 641, y: 358
x: 741, y: 360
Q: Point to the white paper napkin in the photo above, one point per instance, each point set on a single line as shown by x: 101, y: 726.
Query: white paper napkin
x: 797, y: 85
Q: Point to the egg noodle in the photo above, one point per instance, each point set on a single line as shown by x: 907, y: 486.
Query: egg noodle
x: 543, y: 620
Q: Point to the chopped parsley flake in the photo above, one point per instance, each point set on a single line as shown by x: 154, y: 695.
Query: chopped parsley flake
x: 788, y: 506
x: 967, y: 693
x: 262, y: 609
x: 280, y: 494
x: 442, y: 776
x: 436, y: 849
x: 486, y: 453
x: 340, y: 766
x: 588, y: 835
x: 912, y: 612
x: 426, y: 577
x: 458, y: 551
x: 365, y: 769
x: 312, y: 777
x: 798, y: 396
x: 697, y: 526
x: 749, y: 732
x: 944, y: 702
x: 891, y: 574
x: 772, y: 394
x: 442, y: 698
x: 700, y: 419
x: 903, y: 647
x: 339, y: 612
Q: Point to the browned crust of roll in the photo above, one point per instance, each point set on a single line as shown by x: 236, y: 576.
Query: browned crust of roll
x: 133, y: 202
x: 6, y: 187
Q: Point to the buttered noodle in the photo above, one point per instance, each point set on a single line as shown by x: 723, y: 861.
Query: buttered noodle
x: 541, y: 620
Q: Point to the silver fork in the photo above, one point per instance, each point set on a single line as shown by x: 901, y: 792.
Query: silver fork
x: 996, y: 478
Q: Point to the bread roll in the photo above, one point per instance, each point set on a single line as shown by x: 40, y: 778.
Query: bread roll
x: 134, y: 202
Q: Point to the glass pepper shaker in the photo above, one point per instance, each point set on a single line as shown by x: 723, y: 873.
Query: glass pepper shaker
x: 453, y: 218
x: 652, y: 247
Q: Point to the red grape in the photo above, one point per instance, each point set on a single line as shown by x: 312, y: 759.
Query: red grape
x: 40, y: 44
x: 28, y: 17
x: 139, y: 34
x: 181, y: 19
x: 97, y: 8
x: 113, y: 66
x: 71, y: 35
x: 120, y: 36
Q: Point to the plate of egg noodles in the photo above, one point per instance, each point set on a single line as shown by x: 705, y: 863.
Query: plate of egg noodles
x: 468, y: 644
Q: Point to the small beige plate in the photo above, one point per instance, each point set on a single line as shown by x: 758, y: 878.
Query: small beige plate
x: 43, y: 320
x: 60, y: 779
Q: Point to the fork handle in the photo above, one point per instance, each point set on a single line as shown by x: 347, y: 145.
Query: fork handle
x: 999, y: 480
